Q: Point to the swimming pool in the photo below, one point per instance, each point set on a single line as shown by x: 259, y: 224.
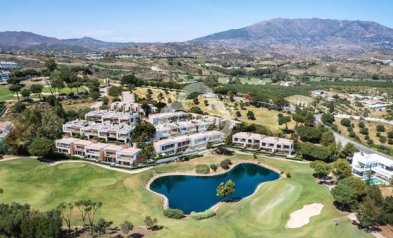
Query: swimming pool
x: 376, y: 181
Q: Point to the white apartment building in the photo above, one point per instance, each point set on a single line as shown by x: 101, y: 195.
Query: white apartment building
x: 120, y: 132
x: 95, y: 151
x: 127, y: 156
x: 273, y: 144
x: 166, y: 130
x: 98, y: 151
x: 188, y: 142
x: 379, y: 166
x: 166, y: 117
x: 126, y: 107
x: 112, y: 117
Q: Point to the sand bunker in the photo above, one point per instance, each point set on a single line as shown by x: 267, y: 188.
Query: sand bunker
x: 302, y: 216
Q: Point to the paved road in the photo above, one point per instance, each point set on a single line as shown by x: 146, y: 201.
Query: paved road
x: 344, y: 140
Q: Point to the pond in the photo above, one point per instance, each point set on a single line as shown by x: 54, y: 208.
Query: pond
x: 198, y: 193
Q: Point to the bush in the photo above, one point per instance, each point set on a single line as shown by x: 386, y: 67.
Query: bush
x: 345, y: 122
x: 380, y: 128
x: 382, y: 139
x: 225, y: 163
x: 288, y: 175
x: 202, y: 215
x: 364, y: 131
x: 126, y: 227
x: 174, y: 213
x: 213, y: 167
x: 361, y: 124
x: 390, y: 141
x: 202, y: 169
x: 390, y: 134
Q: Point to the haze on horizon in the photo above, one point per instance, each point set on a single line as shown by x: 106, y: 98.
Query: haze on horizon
x: 172, y: 20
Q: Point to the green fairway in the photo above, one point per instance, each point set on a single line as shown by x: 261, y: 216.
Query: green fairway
x: 124, y: 196
x: 6, y: 94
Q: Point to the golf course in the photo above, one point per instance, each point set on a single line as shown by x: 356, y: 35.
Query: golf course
x: 125, y: 197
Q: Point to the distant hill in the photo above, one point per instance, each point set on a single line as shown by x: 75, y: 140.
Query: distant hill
x: 21, y: 40
x: 320, y: 38
x: 306, y: 31
x: 276, y: 38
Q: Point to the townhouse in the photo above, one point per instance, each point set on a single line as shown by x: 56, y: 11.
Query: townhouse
x: 188, y: 142
x: 166, y: 130
x: 107, y: 131
x: 372, y: 166
x: 126, y: 107
x: 112, y: 117
x: 263, y: 142
x: 166, y: 117
x: 121, y: 155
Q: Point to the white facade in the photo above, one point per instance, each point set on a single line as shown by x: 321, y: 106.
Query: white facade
x: 120, y: 132
x: 121, y: 155
x: 379, y: 166
x: 188, y: 142
x: 264, y: 142
x: 112, y: 117
x: 166, y: 130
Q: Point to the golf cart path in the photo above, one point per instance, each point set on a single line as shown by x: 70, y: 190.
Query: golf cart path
x: 135, y: 171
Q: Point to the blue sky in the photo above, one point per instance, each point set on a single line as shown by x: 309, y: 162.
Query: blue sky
x: 172, y: 20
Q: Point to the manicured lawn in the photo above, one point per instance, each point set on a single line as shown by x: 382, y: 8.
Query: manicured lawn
x: 6, y: 94
x: 124, y: 197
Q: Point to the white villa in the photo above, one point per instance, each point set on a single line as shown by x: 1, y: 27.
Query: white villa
x: 188, y: 142
x: 273, y: 144
x: 121, y: 155
x: 379, y: 166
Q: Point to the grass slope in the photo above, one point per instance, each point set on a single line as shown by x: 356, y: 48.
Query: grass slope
x: 262, y: 215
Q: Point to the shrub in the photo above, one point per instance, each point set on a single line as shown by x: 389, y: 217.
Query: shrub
x: 364, y: 131
x: 345, y: 122
x: 213, y: 167
x: 390, y: 141
x: 361, y: 124
x: 202, y: 169
x: 126, y: 227
x: 382, y: 139
x: 223, y: 151
x: 390, y: 134
x: 380, y: 128
x: 202, y: 215
x: 288, y: 175
x: 174, y: 213
x: 224, y: 164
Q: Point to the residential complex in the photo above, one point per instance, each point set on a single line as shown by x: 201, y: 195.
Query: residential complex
x: 268, y: 143
x: 4, y: 76
x: 166, y: 130
x: 9, y: 65
x: 112, y: 117
x: 121, y: 155
x: 188, y: 142
x: 371, y: 166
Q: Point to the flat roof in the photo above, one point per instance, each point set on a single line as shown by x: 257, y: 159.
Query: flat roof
x: 130, y: 150
x: 96, y: 146
x: 67, y: 140
x: 83, y: 142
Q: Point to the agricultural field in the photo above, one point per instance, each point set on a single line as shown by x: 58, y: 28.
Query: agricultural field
x: 124, y: 196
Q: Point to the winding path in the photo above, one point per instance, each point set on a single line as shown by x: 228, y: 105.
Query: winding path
x: 134, y: 171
